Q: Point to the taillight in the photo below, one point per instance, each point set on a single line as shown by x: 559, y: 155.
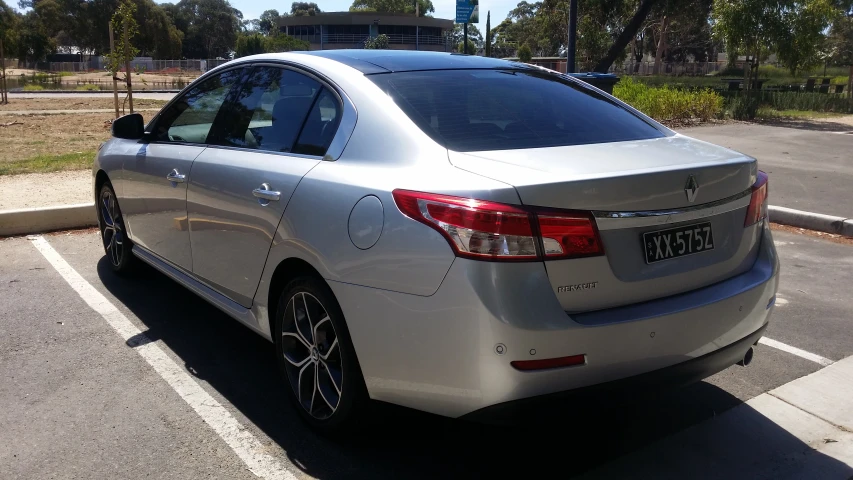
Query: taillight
x: 757, y: 210
x: 495, y: 231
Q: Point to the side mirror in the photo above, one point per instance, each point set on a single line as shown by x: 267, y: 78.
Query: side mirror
x: 130, y: 127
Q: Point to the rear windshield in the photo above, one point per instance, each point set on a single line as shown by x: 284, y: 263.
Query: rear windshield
x: 476, y: 110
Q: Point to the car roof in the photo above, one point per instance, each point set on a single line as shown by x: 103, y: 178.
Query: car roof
x: 385, y: 61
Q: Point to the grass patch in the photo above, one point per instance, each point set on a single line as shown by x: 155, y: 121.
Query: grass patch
x: 745, y: 105
x: 67, y: 74
x: 668, y: 105
x: 48, y: 163
x: 89, y: 87
x: 33, y: 88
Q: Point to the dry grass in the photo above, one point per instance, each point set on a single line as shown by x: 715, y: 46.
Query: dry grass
x: 82, y: 103
x: 832, y: 237
x: 47, y: 143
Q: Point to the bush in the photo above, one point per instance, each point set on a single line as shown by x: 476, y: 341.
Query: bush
x: 667, y: 104
x: 743, y: 105
x: 89, y: 87
x: 33, y: 88
x: 379, y: 42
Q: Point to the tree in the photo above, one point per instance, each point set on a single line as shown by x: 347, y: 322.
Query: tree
x: 524, y: 53
x: 424, y: 7
x: 279, y: 42
x: 255, y: 43
x: 124, y: 27
x: 628, y: 33
x: 8, y: 21
x: 475, y: 37
x: 210, y: 27
x: 489, y: 34
x: 379, y: 42
x: 268, y: 21
x: 249, y: 44
x: 304, y: 9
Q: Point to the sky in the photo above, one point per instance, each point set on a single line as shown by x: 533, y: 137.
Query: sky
x: 443, y: 8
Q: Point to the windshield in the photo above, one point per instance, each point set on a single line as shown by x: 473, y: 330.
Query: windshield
x: 477, y: 110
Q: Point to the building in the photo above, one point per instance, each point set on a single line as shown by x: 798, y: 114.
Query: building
x: 334, y: 30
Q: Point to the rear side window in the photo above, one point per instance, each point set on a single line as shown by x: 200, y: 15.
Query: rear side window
x: 476, y: 110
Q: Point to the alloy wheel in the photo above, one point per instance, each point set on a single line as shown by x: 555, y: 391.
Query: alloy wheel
x: 312, y: 355
x: 112, y: 230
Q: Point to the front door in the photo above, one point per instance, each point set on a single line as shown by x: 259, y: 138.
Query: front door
x: 156, y: 176
x: 276, y: 130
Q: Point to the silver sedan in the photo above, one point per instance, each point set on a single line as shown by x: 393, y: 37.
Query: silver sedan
x: 462, y: 235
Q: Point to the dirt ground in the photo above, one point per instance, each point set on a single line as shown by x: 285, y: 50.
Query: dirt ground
x: 27, y: 191
x: 82, y: 103
x: 53, y: 134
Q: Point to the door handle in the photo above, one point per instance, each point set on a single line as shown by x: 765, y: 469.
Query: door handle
x: 176, y: 177
x: 263, y: 192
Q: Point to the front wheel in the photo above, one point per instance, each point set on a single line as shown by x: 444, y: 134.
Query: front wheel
x: 316, y: 357
x: 116, y: 244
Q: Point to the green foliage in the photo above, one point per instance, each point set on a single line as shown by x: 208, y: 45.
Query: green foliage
x: 475, y: 37
x: 840, y: 41
x: 302, y: 9
x: 379, y: 42
x: 488, y: 51
x: 268, y: 22
x: 524, y: 53
x: 425, y: 7
x: 33, y: 88
x: 742, y: 107
x: 210, y: 26
x: 668, y: 104
x: 256, y: 43
x: 745, y: 105
x: 89, y: 87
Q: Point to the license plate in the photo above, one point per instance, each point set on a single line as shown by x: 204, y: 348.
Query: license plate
x: 678, y: 242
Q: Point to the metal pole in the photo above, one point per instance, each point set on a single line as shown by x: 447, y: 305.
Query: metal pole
x: 465, y: 38
x: 573, y: 36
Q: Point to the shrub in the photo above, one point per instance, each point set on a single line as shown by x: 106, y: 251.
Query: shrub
x: 379, y: 42
x: 89, y: 87
x: 33, y: 88
x: 667, y: 104
x: 743, y: 105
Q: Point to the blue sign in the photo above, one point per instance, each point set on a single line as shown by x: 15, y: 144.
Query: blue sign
x: 465, y: 10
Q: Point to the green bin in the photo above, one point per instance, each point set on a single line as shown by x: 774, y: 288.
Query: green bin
x: 602, y: 81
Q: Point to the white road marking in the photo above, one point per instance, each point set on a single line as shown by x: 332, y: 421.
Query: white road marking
x: 795, y: 351
x: 245, y: 445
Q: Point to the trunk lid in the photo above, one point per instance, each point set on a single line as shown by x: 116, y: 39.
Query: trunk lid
x: 634, y: 190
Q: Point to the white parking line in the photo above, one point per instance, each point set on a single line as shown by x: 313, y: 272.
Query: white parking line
x: 244, y: 444
x: 796, y: 351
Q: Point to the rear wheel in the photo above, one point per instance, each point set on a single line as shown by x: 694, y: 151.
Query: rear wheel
x: 116, y: 244
x: 316, y: 357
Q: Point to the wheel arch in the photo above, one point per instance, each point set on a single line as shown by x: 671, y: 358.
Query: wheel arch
x: 100, y: 179
x: 287, y: 270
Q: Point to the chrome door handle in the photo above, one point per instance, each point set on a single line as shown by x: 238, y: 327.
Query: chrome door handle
x: 176, y: 177
x: 264, y: 192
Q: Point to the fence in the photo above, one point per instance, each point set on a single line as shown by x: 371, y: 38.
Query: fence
x: 669, y: 68
x: 141, y: 63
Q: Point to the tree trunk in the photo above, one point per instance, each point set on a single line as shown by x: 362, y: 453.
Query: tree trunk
x: 115, y: 80
x: 125, y: 48
x: 4, y: 98
x: 661, y: 45
x: 625, y: 37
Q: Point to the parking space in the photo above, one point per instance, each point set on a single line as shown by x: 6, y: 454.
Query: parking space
x: 81, y: 402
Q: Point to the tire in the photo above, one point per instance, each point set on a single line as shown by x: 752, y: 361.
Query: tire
x: 332, y: 396
x: 117, y: 246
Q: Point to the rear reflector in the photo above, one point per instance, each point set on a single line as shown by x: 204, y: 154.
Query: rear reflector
x: 757, y: 210
x: 526, y: 365
x: 500, y: 232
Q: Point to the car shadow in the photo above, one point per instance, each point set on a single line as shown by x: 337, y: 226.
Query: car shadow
x: 808, y: 124
x: 398, y: 442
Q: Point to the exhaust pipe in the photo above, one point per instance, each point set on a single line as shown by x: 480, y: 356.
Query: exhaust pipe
x: 747, y: 357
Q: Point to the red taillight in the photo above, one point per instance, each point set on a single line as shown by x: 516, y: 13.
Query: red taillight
x: 549, y: 363
x: 496, y: 231
x: 757, y: 210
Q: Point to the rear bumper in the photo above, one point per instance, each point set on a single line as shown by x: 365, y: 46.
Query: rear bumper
x: 612, y: 393
x: 450, y: 353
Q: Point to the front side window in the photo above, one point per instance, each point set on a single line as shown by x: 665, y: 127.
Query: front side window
x: 471, y: 110
x: 280, y: 110
x: 190, y: 118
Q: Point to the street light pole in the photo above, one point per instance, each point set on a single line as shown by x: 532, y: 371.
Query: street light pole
x: 573, y: 36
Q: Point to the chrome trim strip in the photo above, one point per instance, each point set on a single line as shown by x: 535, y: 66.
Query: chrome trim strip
x: 615, y: 220
x: 223, y: 303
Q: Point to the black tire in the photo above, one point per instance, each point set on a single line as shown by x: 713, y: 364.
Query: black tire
x: 322, y: 367
x: 117, y: 246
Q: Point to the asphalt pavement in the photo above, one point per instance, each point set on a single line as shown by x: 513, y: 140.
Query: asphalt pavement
x: 810, y: 167
x: 79, y: 402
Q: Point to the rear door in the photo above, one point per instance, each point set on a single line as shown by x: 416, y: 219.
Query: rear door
x: 277, y: 129
x: 155, y: 188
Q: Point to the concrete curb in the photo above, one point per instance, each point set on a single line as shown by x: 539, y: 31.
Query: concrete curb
x: 46, y: 219
x: 811, y: 221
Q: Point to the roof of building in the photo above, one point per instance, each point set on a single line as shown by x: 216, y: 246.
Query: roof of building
x: 365, y: 18
x: 384, y: 61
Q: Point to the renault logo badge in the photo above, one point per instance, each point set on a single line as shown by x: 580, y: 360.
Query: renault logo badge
x: 691, y: 189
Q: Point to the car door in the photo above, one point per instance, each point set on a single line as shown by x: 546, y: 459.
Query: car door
x: 277, y: 129
x: 155, y: 187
